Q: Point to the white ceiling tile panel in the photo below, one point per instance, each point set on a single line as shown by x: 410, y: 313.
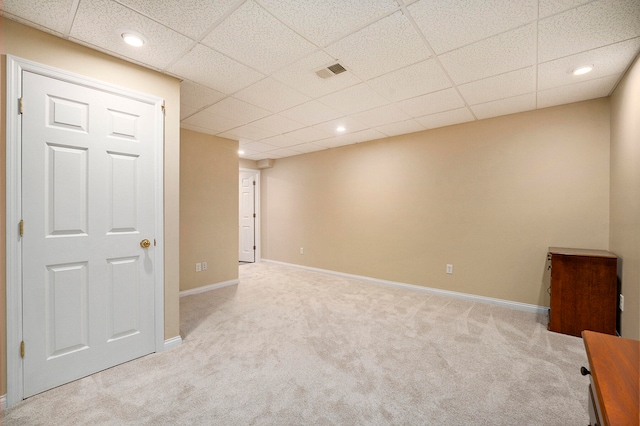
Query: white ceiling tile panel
x: 608, y: 60
x: 501, y: 86
x: 587, y: 27
x: 591, y: 89
x: 247, y: 153
x: 417, y: 79
x: 248, y: 132
x: 259, y: 147
x: 375, y: 50
x: 301, y: 76
x: 184, y: 125
x: 200, y: 14
x: 323, y: 21
x: 431, y: 103
x: 197, y: 95
x: 354, y: 99
x: 306, y: 148
x: 496, y: 55
x: 52, y: 14
x: 505, y: 106
x: 357, y: 137
x: 400, y: 128
x: 186, y: 111
x: 349, y: 123
x: 309, y: 134
x: 277, y: 123
x: 272, y: 95
x: 447, y: 118
x: 282, y: 153
x: 551, y: 7
x: 381, y: 116
x: 214, y: 70
x: 101, y: 23
x: 281, y: 141
x: 236, y: 109
x: 311, y: 113
x: 448, y: 25
x: 212, y: 122
x: 254, y: 37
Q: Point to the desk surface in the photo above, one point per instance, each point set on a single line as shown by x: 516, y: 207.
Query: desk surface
x: 615, y: 368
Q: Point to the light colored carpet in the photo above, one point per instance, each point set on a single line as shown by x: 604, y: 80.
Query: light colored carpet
x: 294, y: 347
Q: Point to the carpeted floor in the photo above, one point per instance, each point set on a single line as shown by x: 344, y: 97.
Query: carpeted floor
x: 294, y: 347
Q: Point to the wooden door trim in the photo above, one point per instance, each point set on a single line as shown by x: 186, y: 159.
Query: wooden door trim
x: 14, y: 69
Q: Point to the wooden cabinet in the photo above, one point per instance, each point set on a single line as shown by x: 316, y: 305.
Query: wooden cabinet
x: 584, y: 291
x: 614, y: 391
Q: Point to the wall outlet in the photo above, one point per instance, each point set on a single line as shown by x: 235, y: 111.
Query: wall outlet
x: 449, y: 268
x: 204, y: 266
x: 301, y: 250
x: 198, y: 267
x: 621, y: 302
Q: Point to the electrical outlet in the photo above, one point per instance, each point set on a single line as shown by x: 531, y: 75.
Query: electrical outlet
x: 621, y: 302
x: 198, y: 267
x: 449, y: 268
x: 301, y: 250
x: 204, y: 266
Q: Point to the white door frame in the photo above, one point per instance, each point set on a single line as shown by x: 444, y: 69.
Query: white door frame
x: 15, y: 67
x: 256, y: 207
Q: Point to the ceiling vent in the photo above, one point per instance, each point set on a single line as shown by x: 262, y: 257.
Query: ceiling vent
x: 330, y: 71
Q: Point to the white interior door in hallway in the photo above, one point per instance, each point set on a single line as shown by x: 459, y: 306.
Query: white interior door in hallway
x: 247, y: 221
x: 89, y: 211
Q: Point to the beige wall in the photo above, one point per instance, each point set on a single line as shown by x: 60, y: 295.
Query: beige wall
x: 208, y: 209
x: 27, y: 43
x: 248, y: 164
x: 488, y: 197
x: 625, y: 195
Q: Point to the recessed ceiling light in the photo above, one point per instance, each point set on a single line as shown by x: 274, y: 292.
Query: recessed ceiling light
x: 132, y: 38
x: 582, y: 70
x: 341, y: 129
x: 240, y: 152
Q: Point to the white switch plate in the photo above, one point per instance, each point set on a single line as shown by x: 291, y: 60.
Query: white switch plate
x: 449, y: 268
x: 204, y: 266
x: 301, y: 250
x: 198, y: 267
x: 621, y: 302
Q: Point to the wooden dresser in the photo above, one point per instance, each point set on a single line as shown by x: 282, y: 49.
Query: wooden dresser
x: 614, y: 391
x: 584, y: 291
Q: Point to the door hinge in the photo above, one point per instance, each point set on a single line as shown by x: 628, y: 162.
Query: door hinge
x: 164, y: 111
x: 154, y: 242
x: 254, y: 183
x: 254, y: 247
x: 20, y: 106
x: 21, y: 227
x: 254, y: 215
x: 22, y: 349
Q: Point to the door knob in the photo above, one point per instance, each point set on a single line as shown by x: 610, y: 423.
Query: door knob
x: 145, y: 243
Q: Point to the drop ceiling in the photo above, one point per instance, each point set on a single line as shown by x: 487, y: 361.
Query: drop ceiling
x: 248, y: 67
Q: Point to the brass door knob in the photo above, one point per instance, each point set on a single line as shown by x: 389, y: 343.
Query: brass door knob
x: 145, y: 243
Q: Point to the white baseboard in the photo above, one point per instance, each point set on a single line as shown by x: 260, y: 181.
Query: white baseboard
x: 471, y: 297
x: 174, y: 342
x: 208, y: 288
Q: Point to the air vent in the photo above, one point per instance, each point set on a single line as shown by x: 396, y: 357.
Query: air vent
x: 330, y: 71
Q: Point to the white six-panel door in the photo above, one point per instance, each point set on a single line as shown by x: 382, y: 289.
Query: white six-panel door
x: 247, y: 219
x: 87, y: 203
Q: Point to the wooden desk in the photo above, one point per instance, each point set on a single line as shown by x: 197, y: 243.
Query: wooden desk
x: 614, y: 392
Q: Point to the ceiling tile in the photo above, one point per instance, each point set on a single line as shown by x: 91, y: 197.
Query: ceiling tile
x: 301, y: 76
x: 248, y: 132
x: 356, y: 137
x: 200, y: 14
x: 447, y: 118
x: 259, y: 147
x: 323, y: 21
x: 197, y: 95
x: 311, y: 113
x: 354, y: 99
x: 381, y: 116
x: 591, y: 89
x: 306, y: 148
x: 309, y: 134
x: 102, y: 22
x: 496, y: 55
x: 350, y: 124
x: 52, y: 14
x: 587, y: 27
x: 608, y: 60
x: 186, y: 111
x: 229, y: 76
x: 417, y: 79
x: 238, y: 110
x: 550, y: 7
x: 212, y: 122
x: 431, y: 103
x: 501, y: 86
x: 277, y: 123
x: 448, y: 25
x: 272, y: 95
x: 282, y: 153
x: 374, y: 50
x: 255, y: 38
x: 505, y: 106
x: 400, y: 128
x: 281, y: 141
